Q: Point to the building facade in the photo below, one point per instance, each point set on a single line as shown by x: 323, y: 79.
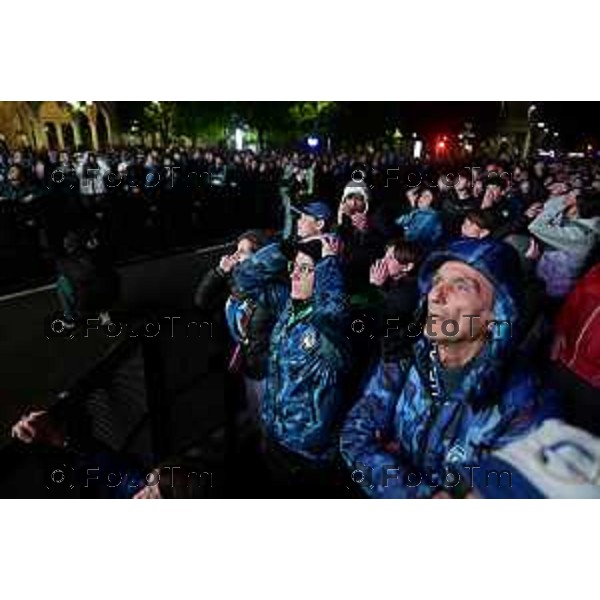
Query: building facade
x: 58, y: 125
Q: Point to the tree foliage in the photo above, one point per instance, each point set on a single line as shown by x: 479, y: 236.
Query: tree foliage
x: 312, y: 115
x: 160, y: 117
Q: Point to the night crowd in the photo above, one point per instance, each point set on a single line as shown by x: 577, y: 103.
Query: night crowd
x: 402, y: 329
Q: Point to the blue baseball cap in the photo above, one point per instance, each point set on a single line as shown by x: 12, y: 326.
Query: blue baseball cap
x: 315, y: 208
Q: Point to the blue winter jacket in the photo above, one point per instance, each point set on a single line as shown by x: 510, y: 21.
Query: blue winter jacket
x: 406, y: 436
x: 423, y: 226
x: 302, y: 405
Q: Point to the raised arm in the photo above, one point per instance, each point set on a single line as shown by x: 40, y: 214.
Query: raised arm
x: 330, y: 301
x: 261, y: 276
x: 550, y: 228
x: 211, y: 292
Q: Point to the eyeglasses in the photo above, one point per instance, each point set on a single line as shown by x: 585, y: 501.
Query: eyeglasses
x: 303, y: 269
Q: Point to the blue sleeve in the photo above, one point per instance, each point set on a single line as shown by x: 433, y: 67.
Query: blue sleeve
x: 438, y: 228
x: 386, y: 474
x: 260, y: 276
x: 330, y: 301
x: 402, y: 220
x: 525, y: 406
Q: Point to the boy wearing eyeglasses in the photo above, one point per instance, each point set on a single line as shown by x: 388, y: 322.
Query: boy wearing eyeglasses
x: 308, y: 358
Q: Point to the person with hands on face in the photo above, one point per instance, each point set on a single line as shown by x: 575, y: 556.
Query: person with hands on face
x: 308, y: 357
x: 361, y: 242
x: 354, y: 206
x: 516, y: 225
x: 394, y: 277
x: 569, y: 228
x: 378, y: 273
x: 314, y: 219
x: 249, y: 321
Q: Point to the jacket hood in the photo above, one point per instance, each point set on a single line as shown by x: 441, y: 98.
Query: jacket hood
x: 496, y: 261
x: 357, y: 187
x: 493, y: 370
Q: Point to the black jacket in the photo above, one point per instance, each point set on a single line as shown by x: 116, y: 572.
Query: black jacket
x: 360, y: 250
x: 454, y: 211
x: 398, y: 322
x: 212, y: 294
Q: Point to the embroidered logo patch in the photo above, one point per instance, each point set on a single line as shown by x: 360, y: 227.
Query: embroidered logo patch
x: 456, y: 454
x: 309, y: 340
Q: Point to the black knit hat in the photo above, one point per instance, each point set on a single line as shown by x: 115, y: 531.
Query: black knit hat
x: 313, y: 248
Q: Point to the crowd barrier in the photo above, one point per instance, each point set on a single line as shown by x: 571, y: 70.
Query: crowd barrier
x: 148, y: 398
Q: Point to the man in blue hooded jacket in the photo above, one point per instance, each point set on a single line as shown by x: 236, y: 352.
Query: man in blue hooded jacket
x: 460, y: 395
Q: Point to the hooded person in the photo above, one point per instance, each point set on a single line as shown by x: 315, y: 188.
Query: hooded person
x: 569, y: 226
x: 361, y: 243
x: 460, y: 393
x: 357, y: 196
x: 308, y: 357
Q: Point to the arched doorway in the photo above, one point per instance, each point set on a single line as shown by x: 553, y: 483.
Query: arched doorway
x: 85, y: 132
x: 68, y: 136
x: 102, y: 130
x: 51, y: 137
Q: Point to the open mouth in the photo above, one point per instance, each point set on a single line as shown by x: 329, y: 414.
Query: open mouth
x: 435, y: 316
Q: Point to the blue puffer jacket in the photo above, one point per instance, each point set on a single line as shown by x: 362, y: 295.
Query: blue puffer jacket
x: 406, y: 436
x: 302, y: 405
x: 264, y: 278
x: 423, y: 226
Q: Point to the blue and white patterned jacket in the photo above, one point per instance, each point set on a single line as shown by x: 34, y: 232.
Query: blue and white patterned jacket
x: 406, y: 436
x: 423, y: 226
x: 302, y: 405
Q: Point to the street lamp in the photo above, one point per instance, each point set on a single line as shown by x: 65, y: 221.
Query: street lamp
x: 312, y: 141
